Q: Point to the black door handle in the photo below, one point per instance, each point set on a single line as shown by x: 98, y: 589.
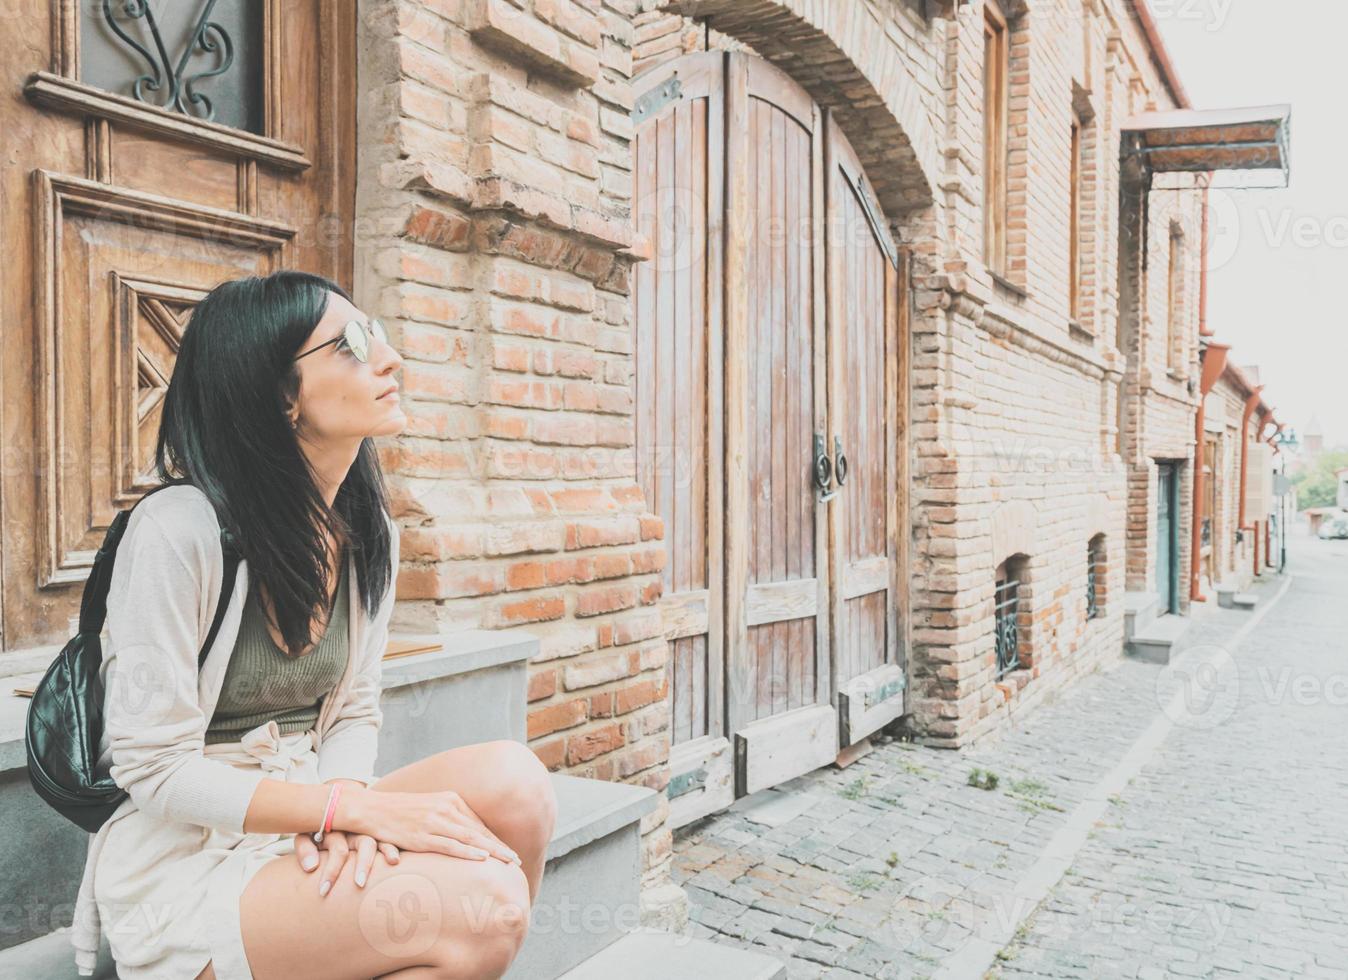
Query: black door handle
x: 839, y: 461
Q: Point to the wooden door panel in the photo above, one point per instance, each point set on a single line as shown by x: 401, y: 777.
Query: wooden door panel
x: 777, y: 577
x: 678, y: 194
x: 780, y: 427
x: 864, y: 345
x: 118, y: 215
x: 112, y: 305
x: 863, y: 429
x: 146, y: 162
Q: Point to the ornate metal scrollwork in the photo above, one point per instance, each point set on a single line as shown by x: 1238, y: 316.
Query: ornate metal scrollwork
x: 207, y: 37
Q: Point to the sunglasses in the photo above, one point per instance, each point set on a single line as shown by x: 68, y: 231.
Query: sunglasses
x: 356, y: 336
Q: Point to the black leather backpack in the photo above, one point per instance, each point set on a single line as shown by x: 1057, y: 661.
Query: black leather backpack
x: 65, y: 716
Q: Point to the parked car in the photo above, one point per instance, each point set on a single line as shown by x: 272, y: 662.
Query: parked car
x: 1334, y: 526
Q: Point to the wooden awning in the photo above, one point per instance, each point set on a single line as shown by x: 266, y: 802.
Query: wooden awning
x: 1198, y: 140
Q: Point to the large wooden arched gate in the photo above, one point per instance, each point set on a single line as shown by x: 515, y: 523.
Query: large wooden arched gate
x: 771, y: 436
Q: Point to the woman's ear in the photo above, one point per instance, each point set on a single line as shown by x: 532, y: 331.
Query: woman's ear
x: 289, y: 394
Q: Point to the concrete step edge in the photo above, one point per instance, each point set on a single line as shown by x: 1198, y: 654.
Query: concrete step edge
x: 1167, y: 630
x: 588, y: 809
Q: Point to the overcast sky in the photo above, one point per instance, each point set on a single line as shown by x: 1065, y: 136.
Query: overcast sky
x: 1278, y: 258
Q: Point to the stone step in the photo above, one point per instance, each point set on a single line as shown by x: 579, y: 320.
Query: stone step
x: 1157, y: 642
x: 1229, y: 597
x: 471, y: 687
x: 591, y: 891
x: 649, y: 954
x: 589, y: 899
x: 1140, y: 610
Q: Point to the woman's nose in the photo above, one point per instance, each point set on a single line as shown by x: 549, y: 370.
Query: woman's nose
x: 389, y: 358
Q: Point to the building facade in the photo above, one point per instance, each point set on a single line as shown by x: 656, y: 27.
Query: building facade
x: 789, y: 368
x: 1236, y: 492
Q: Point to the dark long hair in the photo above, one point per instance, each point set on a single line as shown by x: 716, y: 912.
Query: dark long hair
x: 225, y: 430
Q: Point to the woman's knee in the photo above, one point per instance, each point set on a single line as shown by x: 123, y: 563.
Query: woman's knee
x: 485, y: 912
x: 525, y: 792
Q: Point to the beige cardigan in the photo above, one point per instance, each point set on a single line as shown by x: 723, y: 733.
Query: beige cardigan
x: 166, y: 582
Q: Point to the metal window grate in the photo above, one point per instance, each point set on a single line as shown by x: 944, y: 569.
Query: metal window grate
x: 203, y: 59
x: 1007, y: 609
x: 1092, y: 596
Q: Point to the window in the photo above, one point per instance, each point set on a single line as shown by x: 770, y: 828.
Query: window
x: 1074, y: 225
x: 1010, y: 613
x: 199, y: 59
x: 1095, y: 577
x: 1174, y: 299
x: 995, y: 56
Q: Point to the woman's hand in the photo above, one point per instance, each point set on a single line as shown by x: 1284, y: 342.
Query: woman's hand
x: 440, y: 822
x: 340, y: 846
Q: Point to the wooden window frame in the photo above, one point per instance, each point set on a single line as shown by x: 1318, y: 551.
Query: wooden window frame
x: 1174, y: 299
x: 1074, y: 223
x: 996, y: 112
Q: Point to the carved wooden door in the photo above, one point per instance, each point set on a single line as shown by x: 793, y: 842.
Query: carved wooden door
x: 152, y: 150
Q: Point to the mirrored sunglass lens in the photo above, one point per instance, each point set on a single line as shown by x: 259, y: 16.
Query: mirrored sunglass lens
x: 356, y: 340
x: 377, y: 328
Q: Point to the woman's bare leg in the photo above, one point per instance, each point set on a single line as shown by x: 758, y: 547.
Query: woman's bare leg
x: 430, y: 915
x: 453, y: 917
x: 503, y: 783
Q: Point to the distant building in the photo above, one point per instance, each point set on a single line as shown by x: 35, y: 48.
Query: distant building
x: 1314, y: 442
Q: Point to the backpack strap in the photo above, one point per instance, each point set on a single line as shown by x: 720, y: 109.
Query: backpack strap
x: 226, y: 593
x: 94, y: 604
x: 93, y: 607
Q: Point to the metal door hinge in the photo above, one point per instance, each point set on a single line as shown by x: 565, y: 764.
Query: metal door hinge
x: 656, y: 99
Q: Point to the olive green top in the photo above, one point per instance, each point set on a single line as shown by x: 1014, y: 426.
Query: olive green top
x: 262, y: 682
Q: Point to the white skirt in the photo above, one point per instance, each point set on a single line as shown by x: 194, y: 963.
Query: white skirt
x: 168, y: 892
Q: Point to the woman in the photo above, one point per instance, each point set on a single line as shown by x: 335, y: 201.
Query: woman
x: 210, y: 868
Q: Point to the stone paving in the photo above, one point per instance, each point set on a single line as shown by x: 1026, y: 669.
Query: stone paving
x: 1228, y: 854
x: 1225, y: 854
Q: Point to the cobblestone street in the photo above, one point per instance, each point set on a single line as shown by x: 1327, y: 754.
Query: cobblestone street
x: 1150, y: 821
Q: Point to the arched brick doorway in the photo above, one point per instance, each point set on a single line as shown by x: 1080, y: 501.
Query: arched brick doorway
x: 771, y: 420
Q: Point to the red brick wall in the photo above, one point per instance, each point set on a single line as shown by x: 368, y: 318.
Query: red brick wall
x: 494, y: 195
